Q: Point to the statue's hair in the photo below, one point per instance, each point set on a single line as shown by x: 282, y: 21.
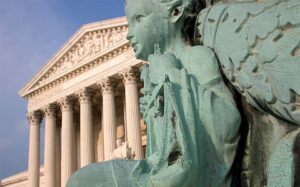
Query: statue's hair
x: 191, y: 10
x: 189, y: 5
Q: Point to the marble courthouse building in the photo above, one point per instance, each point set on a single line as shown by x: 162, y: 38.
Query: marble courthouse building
x: 87, y: 96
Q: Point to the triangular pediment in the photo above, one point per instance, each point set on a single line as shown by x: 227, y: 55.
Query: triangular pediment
x: 88, y: 43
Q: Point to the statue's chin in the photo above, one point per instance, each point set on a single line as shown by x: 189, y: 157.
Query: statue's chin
x: 139, y: 55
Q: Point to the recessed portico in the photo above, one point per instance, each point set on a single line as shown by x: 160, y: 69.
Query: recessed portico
x: 88, y: 95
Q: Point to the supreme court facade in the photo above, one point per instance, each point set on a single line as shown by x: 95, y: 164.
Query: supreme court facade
x: 88, y: 97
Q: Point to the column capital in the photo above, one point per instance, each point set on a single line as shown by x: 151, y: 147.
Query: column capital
x: 66, y: 103
x: 84, y: 94
x: 34, y: 117
x: 107, y: 85
x: 130, y: 75
x: 49, y: 110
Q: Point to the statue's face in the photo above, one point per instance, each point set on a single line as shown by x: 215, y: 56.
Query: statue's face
x: 146, y: 27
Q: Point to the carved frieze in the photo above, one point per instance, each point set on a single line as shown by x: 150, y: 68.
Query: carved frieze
x: 46, y: 90
x: 43, y: 96
x: 90, y: 44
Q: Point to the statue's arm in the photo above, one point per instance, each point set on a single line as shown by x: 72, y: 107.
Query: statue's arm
x: 217, y: 109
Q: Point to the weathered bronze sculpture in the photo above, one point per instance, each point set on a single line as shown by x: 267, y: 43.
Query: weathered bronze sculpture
x: 257, y: 45
x: 197, y: 134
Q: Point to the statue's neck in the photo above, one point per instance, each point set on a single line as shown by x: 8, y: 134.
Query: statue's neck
x: 177, y: 46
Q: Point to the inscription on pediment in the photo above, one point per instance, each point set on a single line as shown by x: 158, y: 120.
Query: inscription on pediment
x: 90, y: 44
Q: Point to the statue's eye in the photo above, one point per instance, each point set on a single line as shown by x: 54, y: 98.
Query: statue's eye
x: 138, y: 18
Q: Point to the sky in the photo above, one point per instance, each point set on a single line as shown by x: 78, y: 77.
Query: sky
x: 31, y: 32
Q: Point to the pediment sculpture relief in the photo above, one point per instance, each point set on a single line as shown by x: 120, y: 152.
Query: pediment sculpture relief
x: 91, y: 44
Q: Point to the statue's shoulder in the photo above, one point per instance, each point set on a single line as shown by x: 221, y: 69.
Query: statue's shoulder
x: 200, y: 50
x: 202, y: 63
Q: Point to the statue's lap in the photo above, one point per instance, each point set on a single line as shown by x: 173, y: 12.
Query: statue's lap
x: 111, y: 173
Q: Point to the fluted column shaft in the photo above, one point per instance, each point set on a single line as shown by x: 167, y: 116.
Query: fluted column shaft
x: 109, y: 117
x: 34, y: 119
x: 50, y: 137
x: 67, y: 141
x: 58, y: 153
x: 132, y: 112
x: 86, y: 128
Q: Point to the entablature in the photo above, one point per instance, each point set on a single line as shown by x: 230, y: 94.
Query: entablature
x: 92, y: 45
x: 88, y: 78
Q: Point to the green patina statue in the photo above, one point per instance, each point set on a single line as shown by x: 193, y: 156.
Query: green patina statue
x: 221, y: 95
x: 258, y: 48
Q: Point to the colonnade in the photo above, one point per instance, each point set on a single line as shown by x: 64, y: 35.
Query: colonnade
x: 59, y: 160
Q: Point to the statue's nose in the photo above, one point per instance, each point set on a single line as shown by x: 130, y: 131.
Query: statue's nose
x: 129, y: 35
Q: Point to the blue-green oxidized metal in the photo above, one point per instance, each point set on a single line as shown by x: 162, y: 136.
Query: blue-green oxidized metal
x: 193, y: 121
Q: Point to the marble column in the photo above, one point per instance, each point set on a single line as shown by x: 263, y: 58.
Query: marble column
x: 86, y: 127
x: 132, y: 111
x: 109, y: 117
x: 124, y: 118
x: 34, y: 119
x: 67, y: 140
x: 50, y: 137
x: 58, y: 152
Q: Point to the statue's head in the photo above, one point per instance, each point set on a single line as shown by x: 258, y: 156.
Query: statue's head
x: 156, y: 22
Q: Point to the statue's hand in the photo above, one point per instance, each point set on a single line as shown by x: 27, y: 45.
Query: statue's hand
x: 160, y: 65
x: 144, y: 103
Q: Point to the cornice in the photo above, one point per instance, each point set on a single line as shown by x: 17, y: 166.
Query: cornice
x: 18, y: 178
x: 34, y: 87
x: 77, y: 70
